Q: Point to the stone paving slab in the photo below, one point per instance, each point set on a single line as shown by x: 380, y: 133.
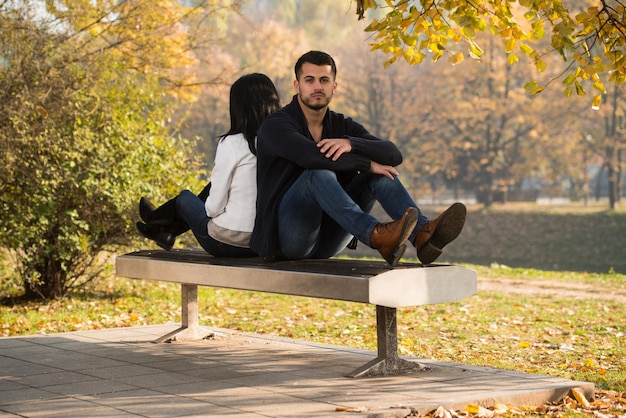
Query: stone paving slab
x: 121, y: 373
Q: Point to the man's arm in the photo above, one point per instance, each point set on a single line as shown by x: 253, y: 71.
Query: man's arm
x: 282, y: 137
x: 335, y: 148
x: 376, y: 149
x: 384, y: 170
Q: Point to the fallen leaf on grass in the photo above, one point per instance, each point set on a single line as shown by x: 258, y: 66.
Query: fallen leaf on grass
x: 606, y: 404
x: 441, y: 412
x: 351, y: 409
x: 580, y: 397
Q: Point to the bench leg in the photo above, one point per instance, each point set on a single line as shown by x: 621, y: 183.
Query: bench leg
x: 189, y: 329
x: 388, y: 362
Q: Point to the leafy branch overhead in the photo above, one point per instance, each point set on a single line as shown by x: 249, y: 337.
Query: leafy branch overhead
x: 589, y: 36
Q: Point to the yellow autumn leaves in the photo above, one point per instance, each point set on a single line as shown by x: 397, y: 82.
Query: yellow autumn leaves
x: 589, y: 40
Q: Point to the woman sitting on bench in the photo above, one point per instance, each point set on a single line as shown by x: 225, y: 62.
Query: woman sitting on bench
x: 222, y: 215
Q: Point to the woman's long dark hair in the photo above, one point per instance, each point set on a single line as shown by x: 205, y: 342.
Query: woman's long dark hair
x: 252, y: 98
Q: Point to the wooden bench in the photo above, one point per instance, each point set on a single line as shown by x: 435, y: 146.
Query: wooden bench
x: 373, y: 282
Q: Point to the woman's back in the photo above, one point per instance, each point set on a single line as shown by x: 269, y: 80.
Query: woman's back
x: 232, y: 202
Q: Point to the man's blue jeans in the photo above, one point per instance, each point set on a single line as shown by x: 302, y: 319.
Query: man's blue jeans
x: 317, y: 217
x: 190, y: 208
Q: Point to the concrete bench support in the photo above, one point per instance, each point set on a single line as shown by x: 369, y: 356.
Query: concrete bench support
x: 190, y: 328
x: 388, y: 362
x: 372, y: 282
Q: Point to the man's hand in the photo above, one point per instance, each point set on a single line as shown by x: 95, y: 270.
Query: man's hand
x: 334, y: 147
x: 384, y: 170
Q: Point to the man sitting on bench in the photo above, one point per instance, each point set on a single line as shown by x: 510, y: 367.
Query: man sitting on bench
x: 319, y: 174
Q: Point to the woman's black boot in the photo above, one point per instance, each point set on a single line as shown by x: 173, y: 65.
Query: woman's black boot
x: 204, y: 194
x: 146, y: 208
x: 157, y: 234
x: 164, y: 216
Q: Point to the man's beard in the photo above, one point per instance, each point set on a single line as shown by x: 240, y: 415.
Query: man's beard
x: 314, y: 104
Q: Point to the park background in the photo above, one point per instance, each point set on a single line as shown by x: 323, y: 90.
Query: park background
x: 96, y: 115
x: 104, y: 103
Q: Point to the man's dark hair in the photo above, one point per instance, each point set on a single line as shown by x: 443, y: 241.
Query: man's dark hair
x: 315, y: 58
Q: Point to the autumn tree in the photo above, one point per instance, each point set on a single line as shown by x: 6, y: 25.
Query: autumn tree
x: 604, y: 137
x: 590, y: 41
x: 586, y: 36
x: 84, y: 129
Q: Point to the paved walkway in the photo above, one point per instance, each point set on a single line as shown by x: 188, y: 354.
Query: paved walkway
x: 120, y: 373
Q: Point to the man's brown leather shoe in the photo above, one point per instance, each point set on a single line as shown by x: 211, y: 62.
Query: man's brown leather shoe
x: 389, y: 238
x: 437, y: 233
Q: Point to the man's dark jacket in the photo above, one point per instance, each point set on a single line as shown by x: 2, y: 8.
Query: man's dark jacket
x: 285, y: 148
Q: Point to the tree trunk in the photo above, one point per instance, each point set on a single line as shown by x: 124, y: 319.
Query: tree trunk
x: 620, y: 176
x: 598, y: 187
x: 50, y: 284
x: 612, y: 175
